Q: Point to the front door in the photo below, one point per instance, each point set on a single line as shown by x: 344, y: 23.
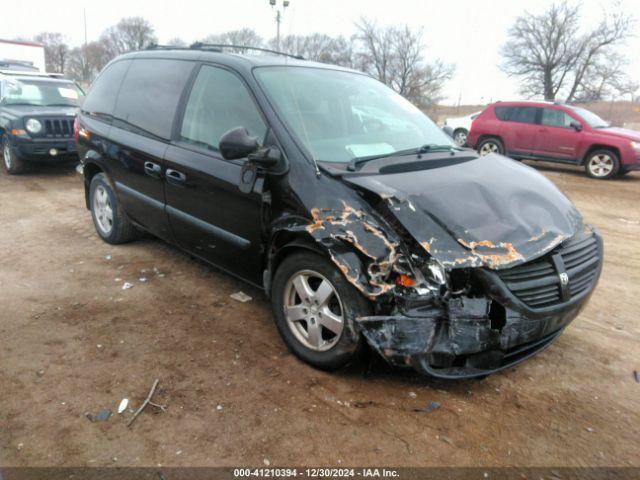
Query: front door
x: 208, y: 214
x: 557, y: 139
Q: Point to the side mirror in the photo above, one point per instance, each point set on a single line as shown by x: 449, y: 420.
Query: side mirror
x: 577, y: 126
x: 237, y: 143
x: 448, y: 130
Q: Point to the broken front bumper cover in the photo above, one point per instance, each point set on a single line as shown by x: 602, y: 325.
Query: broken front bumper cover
x: 469, y: 337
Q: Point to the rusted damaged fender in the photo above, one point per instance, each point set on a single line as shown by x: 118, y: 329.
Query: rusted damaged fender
x: 487, y: 212
x: 364, y: 251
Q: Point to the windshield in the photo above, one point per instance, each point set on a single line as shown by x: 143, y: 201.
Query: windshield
x: 591, y: 118
x: 340, y: 116
x: 42, y: 93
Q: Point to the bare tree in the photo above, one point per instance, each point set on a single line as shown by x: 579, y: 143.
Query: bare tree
x: 319, y: 47
x: 56, y: 50
x: 177, y: 42
x: 605, y: 78
x: 129, y: 34
x: 243, y: 37
x: 85, y: 62
x: 395, y: 55
x: 552, y: 56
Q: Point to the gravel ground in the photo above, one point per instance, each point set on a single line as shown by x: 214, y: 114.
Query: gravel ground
x: 74, y: 342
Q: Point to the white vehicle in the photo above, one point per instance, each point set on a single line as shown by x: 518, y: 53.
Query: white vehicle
x: 15, y: 54
x: 461, y: 127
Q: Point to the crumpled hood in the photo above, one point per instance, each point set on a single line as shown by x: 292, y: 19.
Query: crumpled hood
x: 489, y: 211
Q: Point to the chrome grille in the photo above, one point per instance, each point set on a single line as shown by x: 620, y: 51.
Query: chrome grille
x: 537, y: 283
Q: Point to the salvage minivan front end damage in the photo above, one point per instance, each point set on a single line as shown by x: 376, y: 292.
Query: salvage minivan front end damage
x: 489, y: 324
x: 463, y: 281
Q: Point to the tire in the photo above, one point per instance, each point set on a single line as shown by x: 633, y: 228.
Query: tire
x: 110, y: 222
x: 12, y: 163
x: 490, y: 145
x: 332, y: 350
x: 460, y: 136
x: 602, y: 164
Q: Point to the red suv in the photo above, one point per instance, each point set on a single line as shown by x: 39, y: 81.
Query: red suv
x: 557, y: 133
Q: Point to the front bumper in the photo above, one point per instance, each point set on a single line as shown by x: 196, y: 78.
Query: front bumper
x: 37, y: 149
x: 466, y: 337
x: 631, y: 167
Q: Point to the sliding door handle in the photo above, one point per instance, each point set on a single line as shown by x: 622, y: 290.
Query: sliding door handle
x: 152, y: 169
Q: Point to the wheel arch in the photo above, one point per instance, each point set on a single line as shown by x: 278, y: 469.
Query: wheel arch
x: 599, y: 146
x: 284, y: 243
x: 487, y: 136
x: 90, y: 170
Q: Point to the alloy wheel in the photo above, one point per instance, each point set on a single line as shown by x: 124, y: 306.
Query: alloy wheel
x: 460, y: 138
x: 489, y: 147
x: 6, y: 153
x: 103, y: 210
x: 313, y: 310
x: 601, y: 165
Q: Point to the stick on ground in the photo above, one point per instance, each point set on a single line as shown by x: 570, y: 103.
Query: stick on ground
x: 146, y: 402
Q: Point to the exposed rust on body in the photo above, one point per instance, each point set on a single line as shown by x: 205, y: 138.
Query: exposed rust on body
x: 359, y: 230
x: 494, y: 259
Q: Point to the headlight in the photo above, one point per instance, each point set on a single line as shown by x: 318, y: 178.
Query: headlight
x: 437, y: 272
x: 33, y: 125
x: 636, y: 145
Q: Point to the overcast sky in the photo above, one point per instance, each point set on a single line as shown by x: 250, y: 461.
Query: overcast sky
x: 468, y: 33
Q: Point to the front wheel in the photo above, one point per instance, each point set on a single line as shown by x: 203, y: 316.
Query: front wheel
x: 12, y: 163
x: 490, y: 145
x: 315, y: 310
x: 602, y: 164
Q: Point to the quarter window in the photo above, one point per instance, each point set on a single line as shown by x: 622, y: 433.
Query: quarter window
x: 556, y: 118
x: 150, y: 94
x: 101, y: 99
x: 503, y: 113
x: 218, y: 102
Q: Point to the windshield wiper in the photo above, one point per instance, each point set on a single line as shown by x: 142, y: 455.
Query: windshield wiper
x: 429, y: 147
x: 60, y: 105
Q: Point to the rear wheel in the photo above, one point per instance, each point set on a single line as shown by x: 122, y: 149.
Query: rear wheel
x: 490, y: 145
x: 602, y: 164
x: 315, y: 310
x: 460, y: 136
x: 12, y: 163
x: 109, y: 220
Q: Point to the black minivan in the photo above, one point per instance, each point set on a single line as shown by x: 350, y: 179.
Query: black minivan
x: 361, y: 220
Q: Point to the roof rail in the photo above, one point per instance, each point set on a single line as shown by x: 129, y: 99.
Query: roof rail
x: 23, y: 73
x: 156, y: 46
x: 219, y: 46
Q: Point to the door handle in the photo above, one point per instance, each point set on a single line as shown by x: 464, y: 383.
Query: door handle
x: 152, y: 169
x: 175, y: 176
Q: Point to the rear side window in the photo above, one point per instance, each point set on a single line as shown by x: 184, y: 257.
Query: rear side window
x: 556, y: 118
x: 150, y: 94
x: 524, y: 114
x: 219, y: 101
x: 502, y: 113
x: 101, y: 99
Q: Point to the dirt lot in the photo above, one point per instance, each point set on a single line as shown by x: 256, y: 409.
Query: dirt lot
x: 73, y: 341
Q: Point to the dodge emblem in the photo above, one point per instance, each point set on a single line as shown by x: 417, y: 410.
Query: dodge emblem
x: 564, y: 279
